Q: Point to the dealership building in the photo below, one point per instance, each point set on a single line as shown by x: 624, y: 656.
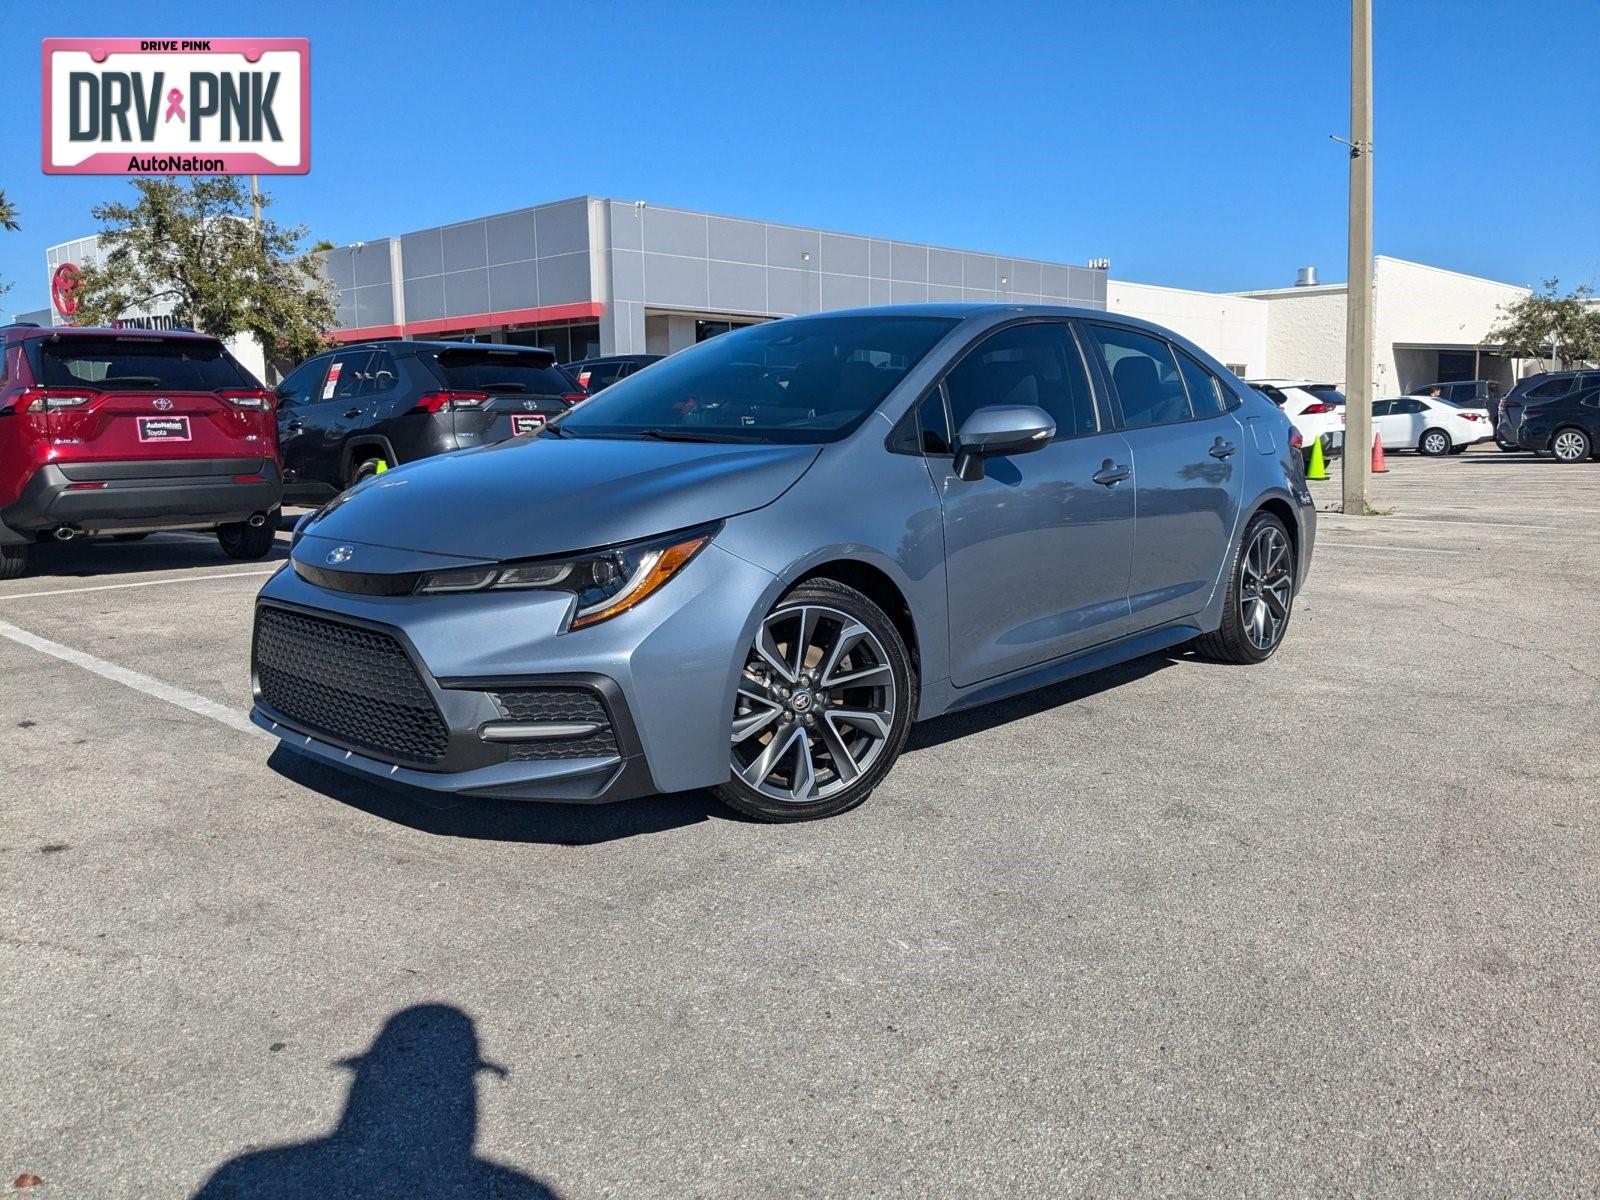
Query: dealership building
x: 590, y: 276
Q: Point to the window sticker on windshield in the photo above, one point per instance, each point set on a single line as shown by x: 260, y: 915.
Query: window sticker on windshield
x: 333, y: 378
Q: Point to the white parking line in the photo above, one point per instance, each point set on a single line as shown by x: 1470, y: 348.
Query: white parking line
x: 1330, y: 544
x: 111, y: 587
x: 196, y: 704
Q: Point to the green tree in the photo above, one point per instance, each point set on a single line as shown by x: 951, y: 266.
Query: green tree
x: 8, y: 221
x: 1528, y: 326
x: 194, y: 244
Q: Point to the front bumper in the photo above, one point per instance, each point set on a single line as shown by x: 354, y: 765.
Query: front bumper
x: 665, y: 673
x: 145, y: 495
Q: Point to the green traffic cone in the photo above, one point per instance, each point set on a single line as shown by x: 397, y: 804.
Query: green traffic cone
x: 1318, y: 469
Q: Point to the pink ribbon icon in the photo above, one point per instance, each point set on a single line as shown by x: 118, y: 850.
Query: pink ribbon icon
x: 175, y: 105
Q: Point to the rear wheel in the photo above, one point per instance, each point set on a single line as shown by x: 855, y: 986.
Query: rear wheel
x: 1570, y: 446
x: 361, y: 468
x: 245, y: 541
x: 824, y: 703
x: 13, y: 561
x: 1433, y: 443
x: 1260, y: 596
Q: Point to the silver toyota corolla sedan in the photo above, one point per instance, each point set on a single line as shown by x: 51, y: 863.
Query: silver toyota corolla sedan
x: 750, y: 567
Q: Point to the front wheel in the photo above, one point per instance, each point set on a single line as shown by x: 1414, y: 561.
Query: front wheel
x: 1260, y: 596
x: 249, y: 542
x: 1433, y: 443
x: 824, y: 702
x: 1570, y: 446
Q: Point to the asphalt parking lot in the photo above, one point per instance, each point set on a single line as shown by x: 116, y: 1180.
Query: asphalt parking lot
x: 1324, y: 926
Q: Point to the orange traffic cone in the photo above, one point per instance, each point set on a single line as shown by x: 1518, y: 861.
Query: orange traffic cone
x: 1378, y: 467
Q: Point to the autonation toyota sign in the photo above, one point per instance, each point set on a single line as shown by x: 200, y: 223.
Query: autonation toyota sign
x: 153, y: 106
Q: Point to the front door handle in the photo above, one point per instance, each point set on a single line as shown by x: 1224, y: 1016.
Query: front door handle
x: 296, y: 426
x: 1111, y: 473
x: 1222, y: 449
x: 352, y: 412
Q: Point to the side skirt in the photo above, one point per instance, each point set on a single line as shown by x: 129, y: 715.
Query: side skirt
x: 1062, y: 669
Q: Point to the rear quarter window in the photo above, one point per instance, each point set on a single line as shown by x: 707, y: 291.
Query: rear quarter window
x: 139, y: 363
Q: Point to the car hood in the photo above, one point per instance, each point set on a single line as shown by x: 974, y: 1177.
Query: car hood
x: 527, y: 498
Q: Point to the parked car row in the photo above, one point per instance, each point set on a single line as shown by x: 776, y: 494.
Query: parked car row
x: 1315, y: 409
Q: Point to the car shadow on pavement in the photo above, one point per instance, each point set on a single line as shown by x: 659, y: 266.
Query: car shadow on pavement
x: 500, y: 820
x: 84, y: 558
x: 409, y: 1127
x: 948, y: 728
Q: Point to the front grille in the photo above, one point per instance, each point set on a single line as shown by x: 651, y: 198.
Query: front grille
x: 355, y: 684
x: 557, y: 704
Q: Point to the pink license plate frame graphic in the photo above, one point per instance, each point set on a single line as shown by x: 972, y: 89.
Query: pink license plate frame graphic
x: 522, y: 423
x: 232, y: 162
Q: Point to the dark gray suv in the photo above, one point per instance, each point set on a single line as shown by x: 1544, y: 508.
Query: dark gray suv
x: 358, y: 410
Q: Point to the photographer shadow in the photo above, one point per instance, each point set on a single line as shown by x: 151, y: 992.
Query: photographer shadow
x: 408, y: 1130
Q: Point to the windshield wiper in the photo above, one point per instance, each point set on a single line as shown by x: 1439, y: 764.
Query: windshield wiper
x: 699, y: 435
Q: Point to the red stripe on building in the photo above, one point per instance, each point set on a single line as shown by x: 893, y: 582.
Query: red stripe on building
x: 585, y: 311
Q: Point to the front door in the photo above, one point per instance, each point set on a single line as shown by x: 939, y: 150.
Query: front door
x: 1037, y: 552
x: 1187, y: 465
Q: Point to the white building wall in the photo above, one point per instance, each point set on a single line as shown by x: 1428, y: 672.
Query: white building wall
x: 1418, y: 305
x: 1232, y: 329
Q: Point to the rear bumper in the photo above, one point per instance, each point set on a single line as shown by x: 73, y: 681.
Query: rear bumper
x: 172, y: 494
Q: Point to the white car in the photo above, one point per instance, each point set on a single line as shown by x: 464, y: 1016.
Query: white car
x: 1430, y: 425
x: 1316, y: 409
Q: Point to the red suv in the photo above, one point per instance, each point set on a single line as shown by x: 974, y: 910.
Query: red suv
x: 121, y: 432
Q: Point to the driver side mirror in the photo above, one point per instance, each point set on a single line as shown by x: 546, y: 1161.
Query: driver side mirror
x: 997, y: 431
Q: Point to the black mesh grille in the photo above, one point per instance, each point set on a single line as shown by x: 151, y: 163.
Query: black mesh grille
x: 355, y: 684
x: 557, y: 704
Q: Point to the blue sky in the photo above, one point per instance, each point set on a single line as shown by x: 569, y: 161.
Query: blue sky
x: 1188, y: 142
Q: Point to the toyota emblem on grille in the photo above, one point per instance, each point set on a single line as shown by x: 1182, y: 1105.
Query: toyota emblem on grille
x: 340, y: 554
x: 162, y: 403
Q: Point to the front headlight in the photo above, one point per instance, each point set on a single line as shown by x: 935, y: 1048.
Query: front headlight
x: 606, y: 582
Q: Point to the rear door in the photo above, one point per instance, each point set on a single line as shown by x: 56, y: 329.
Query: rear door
x: 296, y: 395
x: 131, y: 397
x: 517, y: 390
x: 1186, y: 468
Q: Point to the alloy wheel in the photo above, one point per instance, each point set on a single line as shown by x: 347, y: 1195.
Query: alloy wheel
x: 1568, y: 446
x: 1266, y: 587
x: 815, y: 705
x: 1436, y: 443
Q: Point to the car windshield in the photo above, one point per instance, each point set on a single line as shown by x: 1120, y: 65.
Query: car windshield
x: 482, y: 369
x: 800, y: 381
x: 1326, y: 393
x: 187, y: 364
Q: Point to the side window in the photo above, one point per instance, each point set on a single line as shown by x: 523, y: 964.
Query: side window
x: 301, y: 385
x: 1038, y: 364
x: 1144, y: 377
x: 603, y: 375
x: 1410, y: 406
x: 1549, y: 389
x: 346, y: 375
x: 1205, y: 393
x: 381, y: 373
x: 1382, y: 408
x: 1587, y: 381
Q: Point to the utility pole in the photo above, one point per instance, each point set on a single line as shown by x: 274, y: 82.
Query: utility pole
x: 255, y: 202
x: 1358, y: 311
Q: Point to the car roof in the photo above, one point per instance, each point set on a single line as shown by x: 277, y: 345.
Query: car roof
x: 104, y: 331
x: 1295, y: 383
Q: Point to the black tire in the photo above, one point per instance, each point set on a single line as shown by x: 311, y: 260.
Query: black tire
x: 829, y: 604
x: 13, y: 561
x: 1569, y: 444
x: 363, y: 468
x: 1430, y: 442
x: 1508, y: 447
x: 249, y: 542
x: 129, y: 537
x: 1233, y: 641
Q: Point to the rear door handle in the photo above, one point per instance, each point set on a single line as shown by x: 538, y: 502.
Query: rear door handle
x: 296, y: 426
x: 1111, y: 473
x: 1221, y: 449
x: 352, y: 412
